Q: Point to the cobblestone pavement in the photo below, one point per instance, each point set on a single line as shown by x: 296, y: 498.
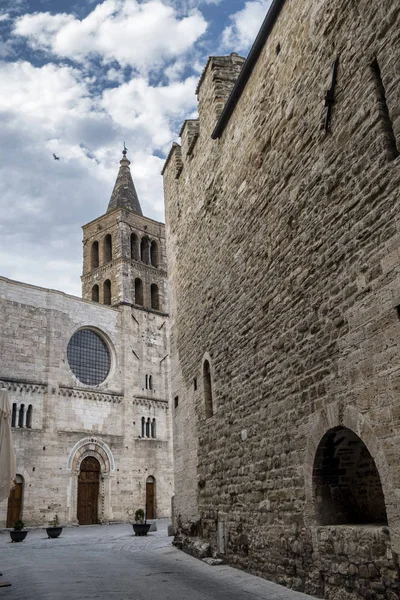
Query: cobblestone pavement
x: 109, y: 563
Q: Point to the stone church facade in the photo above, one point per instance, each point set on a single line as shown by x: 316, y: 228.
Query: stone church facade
x: 283, y: 239
x: 88, y: 378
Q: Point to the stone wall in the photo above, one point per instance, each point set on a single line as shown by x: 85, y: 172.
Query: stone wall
x: 70, y: 419
x: 284, y: 260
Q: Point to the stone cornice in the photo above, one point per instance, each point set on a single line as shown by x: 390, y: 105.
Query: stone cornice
x: 89, y: 395
x: 19, y: 385
x: 145, y: 400
x: 103, y: 269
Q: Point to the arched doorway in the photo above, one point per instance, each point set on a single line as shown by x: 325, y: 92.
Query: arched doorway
x: 14, y: 510
x: 150, y: 498
x: 346, y: 483
x: 88, y: 491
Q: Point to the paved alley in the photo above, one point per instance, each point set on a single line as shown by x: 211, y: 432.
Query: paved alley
x: 110, y: 563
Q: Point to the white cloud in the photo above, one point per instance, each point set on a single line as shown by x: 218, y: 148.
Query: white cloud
x: 246, y: 23
x: 46, y: 95
x: 140, y: 35
x: 150, y: 111
x: 4, y: 17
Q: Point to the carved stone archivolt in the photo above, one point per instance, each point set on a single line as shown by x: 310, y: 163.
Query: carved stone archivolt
x: 91, y: 446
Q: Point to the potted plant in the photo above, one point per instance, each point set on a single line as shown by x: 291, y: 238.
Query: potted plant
x: 140, y: 527
x: 54, y: 529
x: 17, y: 535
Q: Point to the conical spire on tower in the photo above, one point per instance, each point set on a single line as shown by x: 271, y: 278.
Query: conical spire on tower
x: 124, y: 194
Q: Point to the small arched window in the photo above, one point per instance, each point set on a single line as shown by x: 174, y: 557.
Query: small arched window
x: 29, y: 417
x: 150, y: 382
x: 107, y: 292
x: 134, y: 247
x: 139, y: 292
x: 21, y: 415
x: 148, y: 427
x: 155, y: 297
x: 145, y: 250
x: 143, y: 426
x: 107, y: 248
x: 147, y: 382
x: 153, y: 428
x: 154, y: 254
x: 207, y: 387
x: 95, y: 293
x: 94, y: 259
x: 14, y: 415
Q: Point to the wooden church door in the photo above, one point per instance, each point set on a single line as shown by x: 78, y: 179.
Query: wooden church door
x: 14, y: 511
x: 88, y: 491
x: 150, y: 499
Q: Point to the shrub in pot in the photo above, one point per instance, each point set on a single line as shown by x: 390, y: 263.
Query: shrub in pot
x: 54, y: 529
x: 140, y: 527
x: 17, y: 534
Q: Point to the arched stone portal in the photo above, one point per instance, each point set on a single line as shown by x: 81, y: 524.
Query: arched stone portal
x: 98, y: 450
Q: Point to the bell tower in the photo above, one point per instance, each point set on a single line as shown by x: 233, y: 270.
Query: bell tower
x: 124, y: 256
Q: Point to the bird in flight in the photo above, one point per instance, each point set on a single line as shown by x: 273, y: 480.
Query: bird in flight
x: 56, y: 157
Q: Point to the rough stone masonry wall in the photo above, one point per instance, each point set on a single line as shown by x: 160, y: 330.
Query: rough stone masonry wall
x: 284, y: 260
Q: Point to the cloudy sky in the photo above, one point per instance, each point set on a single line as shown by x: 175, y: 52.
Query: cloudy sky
x: 78, y: 79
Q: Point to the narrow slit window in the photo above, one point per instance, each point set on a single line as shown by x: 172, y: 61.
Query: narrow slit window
x: 153, y: 428
x: 154, y: 254
x: 95, y: 293
x: 207, y: 386
x: 21, y: 415
x: 143, y: 426
x: 139, y: 292
x: 107, y: 292
x: 147, y: 382
x: 107, y: 248
x: 29, y: 417
x: 148, y: 427
x: 14, y: 415
x: 155, y: 296
x: 384, y: 112
x: 150, y: 382
x: 95, y: 255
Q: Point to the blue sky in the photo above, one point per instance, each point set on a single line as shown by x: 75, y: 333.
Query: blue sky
x: 78, y: 79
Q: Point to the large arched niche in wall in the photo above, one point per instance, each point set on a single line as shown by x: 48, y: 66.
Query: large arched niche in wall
x: 334, y: 430
x: 347, y: 487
